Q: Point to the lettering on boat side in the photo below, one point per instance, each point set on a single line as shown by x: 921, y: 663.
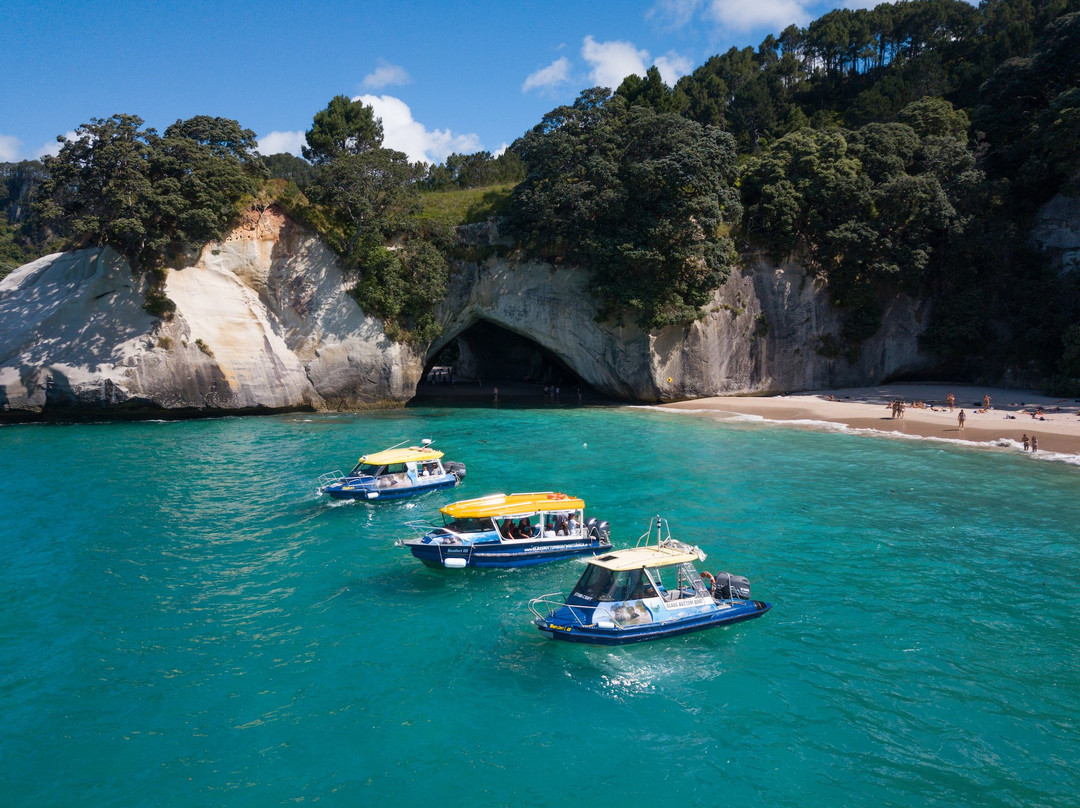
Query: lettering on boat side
x: 686, y: 603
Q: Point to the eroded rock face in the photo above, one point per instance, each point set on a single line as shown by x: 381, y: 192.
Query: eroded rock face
x: 1057, y: 231
x: 766, y: 330
x: 263, y: 321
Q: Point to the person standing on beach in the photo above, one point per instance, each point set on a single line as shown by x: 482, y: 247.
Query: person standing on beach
x: 951, y: 399
x: 1027, y: 442
x: 961, y: 418
x: 1034, y: 444
x: 986, y: 402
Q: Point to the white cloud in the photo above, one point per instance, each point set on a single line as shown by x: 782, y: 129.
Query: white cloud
x: 674, y: 13
x: 673, y: 67
x: 737, y: 15
x: 402, y: 132
x: 386, y: 75
x: 550, y: 77
x: 52, y: 147
x: 9, y: 148
x: 742, y: 16
x: 613, y: 61
x: 281, y: 142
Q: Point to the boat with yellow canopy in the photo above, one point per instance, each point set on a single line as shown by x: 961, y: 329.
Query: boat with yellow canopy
x: 508, y: 530
x: 400, y: 471
x: 645, y: 592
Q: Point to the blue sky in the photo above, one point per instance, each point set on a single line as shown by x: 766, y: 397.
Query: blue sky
x: 444, y: 76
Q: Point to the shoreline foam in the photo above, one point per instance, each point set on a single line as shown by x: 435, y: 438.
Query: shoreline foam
x: 866, y: 410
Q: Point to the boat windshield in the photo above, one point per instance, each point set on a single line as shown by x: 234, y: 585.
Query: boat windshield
x: 468, y: 524
x: 366, y: 470
x: 598, y: 583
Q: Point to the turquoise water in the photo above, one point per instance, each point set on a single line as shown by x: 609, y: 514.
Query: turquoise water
x: 184, y: 623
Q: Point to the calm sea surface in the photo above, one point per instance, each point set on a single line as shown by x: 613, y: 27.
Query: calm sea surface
x: 183, y: 621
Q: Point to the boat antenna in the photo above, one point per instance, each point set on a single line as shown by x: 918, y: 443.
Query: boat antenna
x: 397, y: 445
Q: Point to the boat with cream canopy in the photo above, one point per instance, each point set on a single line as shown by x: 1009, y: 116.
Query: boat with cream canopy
x: 645, y: 592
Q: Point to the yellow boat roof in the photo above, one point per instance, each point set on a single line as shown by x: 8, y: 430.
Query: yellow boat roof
x: 513, y: 505
x: 409, y: 454
x: 636, y: 557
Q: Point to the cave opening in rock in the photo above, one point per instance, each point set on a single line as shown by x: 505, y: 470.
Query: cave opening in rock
x: 485, y: 357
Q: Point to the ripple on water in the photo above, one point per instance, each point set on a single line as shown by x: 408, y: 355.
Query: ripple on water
x: 196, y: 621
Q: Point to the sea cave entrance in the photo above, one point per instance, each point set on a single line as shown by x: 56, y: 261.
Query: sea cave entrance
x: 485, y: 357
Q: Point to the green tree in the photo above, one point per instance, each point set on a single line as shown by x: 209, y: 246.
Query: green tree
x: 868, y: 209
x: 148, y: 195
x: 98, y: 190
x: 345, y: 127
x: 650, y: 91
x: 643, y: 199
x: 286, y: 166
x: 370, y: 194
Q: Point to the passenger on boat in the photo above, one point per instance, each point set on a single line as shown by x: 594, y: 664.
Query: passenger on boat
x: 560, y: 524
x: 524, y: 529
x: 506, y: 529
x: 572, y: 524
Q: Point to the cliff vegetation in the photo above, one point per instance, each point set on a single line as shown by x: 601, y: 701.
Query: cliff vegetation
x: 903, y: 149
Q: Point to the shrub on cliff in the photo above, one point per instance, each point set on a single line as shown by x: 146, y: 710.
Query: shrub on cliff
x: 148, y: 195
x: 877, y: 208
x: 366, y: 197
x: 644, y: 199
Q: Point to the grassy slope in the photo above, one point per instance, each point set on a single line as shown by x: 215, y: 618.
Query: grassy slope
x: 465, y: 206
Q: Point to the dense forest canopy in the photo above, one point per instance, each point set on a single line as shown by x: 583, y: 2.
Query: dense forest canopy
x: 903, y: 148
x: 644, y: 199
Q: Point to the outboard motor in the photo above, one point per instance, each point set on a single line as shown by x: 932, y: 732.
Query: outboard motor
x: 731, y: 586
x: 457, y: 469
x: 597, y: 530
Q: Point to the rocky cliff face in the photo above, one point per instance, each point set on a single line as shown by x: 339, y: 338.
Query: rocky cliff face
x: 767, y: 329
x: 264, y: 322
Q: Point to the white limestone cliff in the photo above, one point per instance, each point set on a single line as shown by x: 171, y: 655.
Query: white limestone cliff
x: 264, y: 321
x: 766, y: 330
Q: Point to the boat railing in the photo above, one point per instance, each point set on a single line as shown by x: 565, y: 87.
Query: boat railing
x: 663, y: 533
x: 421, y: 527
x: 662, y: 539
x: 330, y: 477
x: 556, y: 600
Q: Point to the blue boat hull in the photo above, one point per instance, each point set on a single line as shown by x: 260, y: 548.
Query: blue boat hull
x: 505, y: 555
x: 595, y: 635
x: 399, y: 492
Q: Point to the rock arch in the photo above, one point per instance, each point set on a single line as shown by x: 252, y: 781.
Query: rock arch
x: 484, y: 355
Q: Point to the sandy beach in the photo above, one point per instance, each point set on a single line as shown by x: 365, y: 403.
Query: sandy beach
x: 1012, y: 413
